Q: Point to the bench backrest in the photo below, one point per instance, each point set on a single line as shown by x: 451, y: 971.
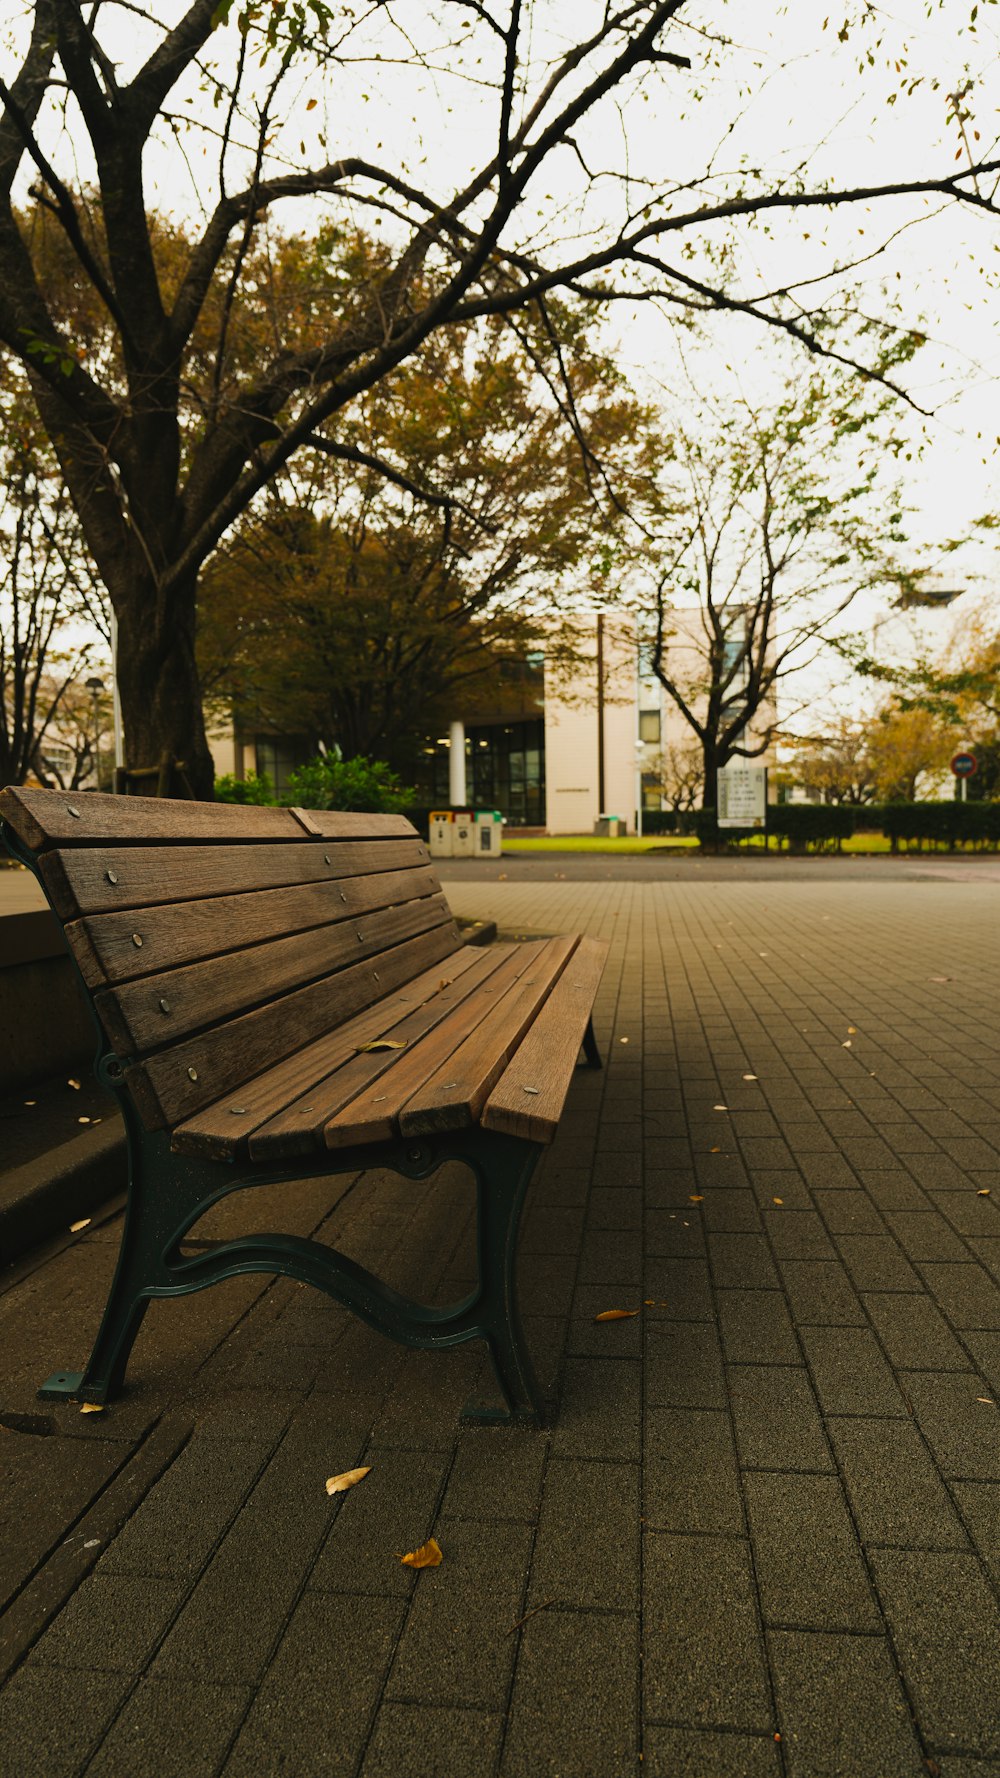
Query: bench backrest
x: 217, y: 939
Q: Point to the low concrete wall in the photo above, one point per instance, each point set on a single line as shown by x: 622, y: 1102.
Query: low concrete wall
x: 44, y: 1023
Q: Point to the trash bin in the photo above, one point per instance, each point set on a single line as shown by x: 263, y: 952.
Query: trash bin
x: 441, y: 831
x: 463, y: 834
x: 489, y: 833
x: 609, y: 827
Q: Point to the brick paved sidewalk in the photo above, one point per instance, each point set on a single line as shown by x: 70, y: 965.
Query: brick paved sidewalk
x: 764, y: 1536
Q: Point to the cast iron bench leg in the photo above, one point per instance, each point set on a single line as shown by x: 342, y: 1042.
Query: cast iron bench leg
x: 503, y: 1166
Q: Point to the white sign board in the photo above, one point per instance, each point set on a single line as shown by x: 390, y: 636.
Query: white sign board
x: 742, y: 794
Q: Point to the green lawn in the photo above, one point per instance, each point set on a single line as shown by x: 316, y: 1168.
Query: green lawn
x: 586, y: 842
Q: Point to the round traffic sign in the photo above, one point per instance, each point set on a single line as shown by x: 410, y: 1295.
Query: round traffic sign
x: 964, y: 764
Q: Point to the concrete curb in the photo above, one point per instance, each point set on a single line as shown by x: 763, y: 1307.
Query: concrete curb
x: 46, y: 1195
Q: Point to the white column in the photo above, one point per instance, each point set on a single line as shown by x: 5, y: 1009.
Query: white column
x: 456, y: 765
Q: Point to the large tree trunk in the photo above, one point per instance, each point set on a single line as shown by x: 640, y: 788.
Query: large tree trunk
x: 710, y: 767
x: 159, y: 686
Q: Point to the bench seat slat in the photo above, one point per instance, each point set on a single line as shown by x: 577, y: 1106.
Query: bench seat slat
x: 298, y: 1129
x: 104, y: 944
x: 109, y: 877
x: 162, y: 1086
x: 41, y: 818
x: 457, y: 1057
x: 456, y: 1094
x: 527, y: 1100
x: 145, y: 1015
x: 222, y: 1130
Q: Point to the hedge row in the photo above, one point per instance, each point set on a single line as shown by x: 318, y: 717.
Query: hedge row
x: 799, y: 825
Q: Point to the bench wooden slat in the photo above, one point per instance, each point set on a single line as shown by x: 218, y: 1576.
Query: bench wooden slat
x: 456, y: 1094
x: 80, y: 818
x: 101, y: 880
x: 222, y: 1130
x: 105, y: 948
x: 335, y: 824
x: 374, y: 1116
x: 147, y: 1014
x: 162, y: 1087
x: 527, y: 1100
x: 298, y: 1129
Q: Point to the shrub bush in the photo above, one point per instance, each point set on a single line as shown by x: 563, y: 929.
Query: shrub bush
x: 816, y: 824
x: 326, y: 782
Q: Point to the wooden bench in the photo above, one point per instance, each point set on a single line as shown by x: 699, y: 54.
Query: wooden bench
x: 282, y: 993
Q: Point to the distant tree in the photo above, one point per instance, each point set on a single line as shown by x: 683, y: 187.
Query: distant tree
x: 837, y: 766
x: 908, y: 750
x: 51, y: 612
x: 779, y: 519
x: 678, y: 773
x: 350, y: 608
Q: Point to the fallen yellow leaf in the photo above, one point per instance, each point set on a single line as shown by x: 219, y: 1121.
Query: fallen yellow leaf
x: 381, y: 1043
x: 777, y: 1200
x: 427, y: 1556
x: 696, y: 1198
x: 616, y: 1315
x: 75, y: 1084
x: 715, y: 1150
x: 847, y: 1045
x: 749, y: 1077
x: 75, y: 1227
x: 92, y: 1407
x: 852, y: 1030
x: 987, y: 1400
x: 720, y: 1107
x: 983, y: 1192
x: 339, y: 1484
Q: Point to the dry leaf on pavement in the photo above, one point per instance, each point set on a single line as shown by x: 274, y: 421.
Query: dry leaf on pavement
x: 429, y: 1555
x: 616, y: 1315
x: 339, y: 1484
x: 983, y: 1192
x: 75, y: 1227
x: 696, y: 1198
x: 92, y: 1407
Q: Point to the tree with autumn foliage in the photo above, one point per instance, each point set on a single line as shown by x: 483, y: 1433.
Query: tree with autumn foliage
x: 350, y: 607
x: 168, y: 433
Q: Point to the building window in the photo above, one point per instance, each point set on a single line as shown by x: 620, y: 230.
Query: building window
x: 505, y: 770
x: 649, y: 725
x: 278, y: 756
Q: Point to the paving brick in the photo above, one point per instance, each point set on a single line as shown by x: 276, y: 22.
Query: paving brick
x: 985, y: 1350
x: 691, y: 1480
x: 962, y: 1431
x: 675, y: 1234
x: 318, y: 1696
x: 895, y: 1491
x: 51, y: 1718
x: 394, y: 1508
x: 841, y: 1708
x: 178, y: 1524
x: 829, y: 1170
x: 497, y: 1474
x: 821, y: 1291
x: 575, y: 1560
x: 741, y: 1262
x: 797, y: 1234
x: 876, y: 1262
x: 681, y: 1289
x: 914, y: 1333
x: 967, y: 1294
x: 756, y: 1328
x: 694, y: 1753
x: 456, y: 1646
x: 175, y: 1730
x: 776, y: 1419
x: 892, y: 1190
x: 112, y: 1623
x: 979, y: 1504
x: 945, y: 1623
x: 683, y: 1365
x: 703, y: 1662
x: 968, y: 1213
x: 600, y: 1409
x: 731, y: 1211
x: 849, y: 1372
x: 849, y: 1213
x: 809, y: 1569
x: 924, y: 1234
x: 614, y: 1208
x: 428, y: 1742
x: 558, y: 1727
x: 609, y: 1256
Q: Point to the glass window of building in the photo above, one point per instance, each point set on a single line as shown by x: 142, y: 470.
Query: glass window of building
x: 649, y: 725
